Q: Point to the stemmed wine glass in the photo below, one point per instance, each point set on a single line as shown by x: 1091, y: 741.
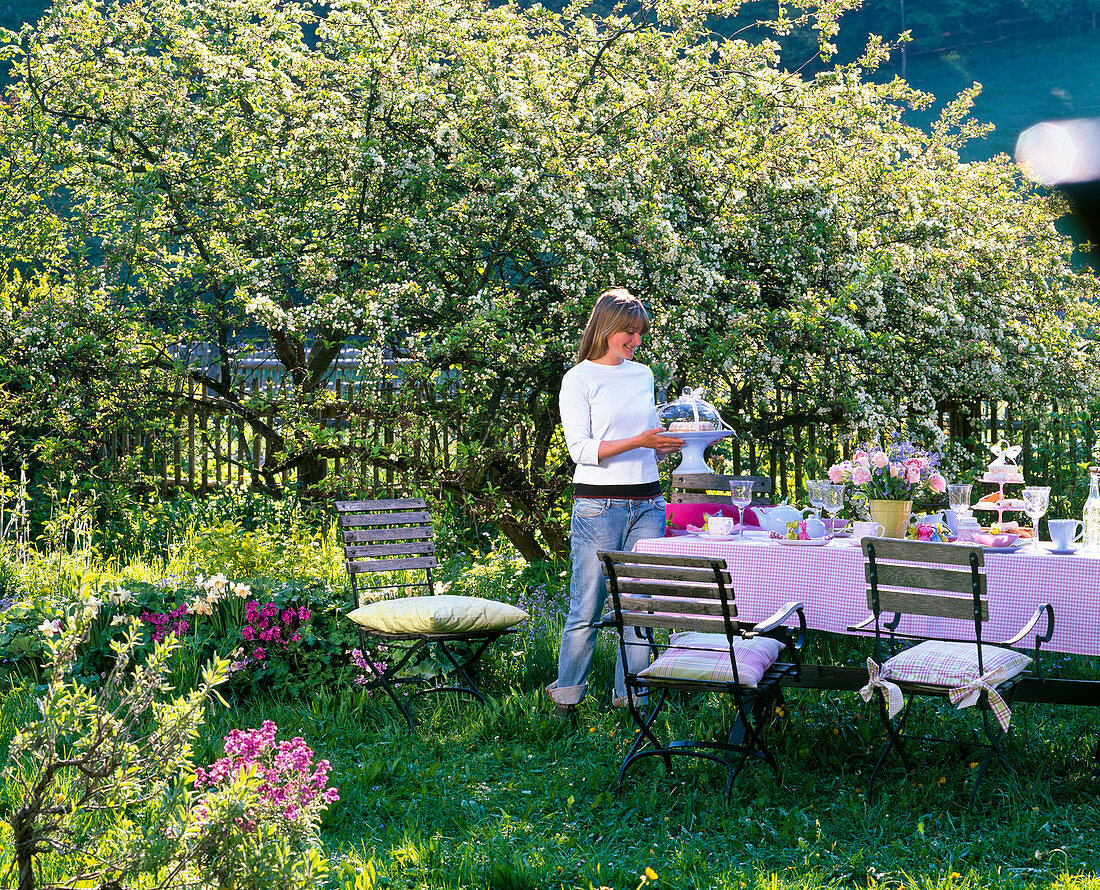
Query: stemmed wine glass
x: 958, y: 496
x: 1036, y: 500
x: 833, y: 502
x: 815, y: 494
x: 741, y: 495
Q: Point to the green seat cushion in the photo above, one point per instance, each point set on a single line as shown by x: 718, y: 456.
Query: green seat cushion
x: 446, y: 614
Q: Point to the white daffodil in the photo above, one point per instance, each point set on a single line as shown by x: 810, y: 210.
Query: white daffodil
x: 49, y: 628
x: 241, y: 591
x: 120, y: 596
x: 217, y: 584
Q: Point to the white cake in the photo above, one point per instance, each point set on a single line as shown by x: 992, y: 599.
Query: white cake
x: 690, y: 426
x: 998, y: 475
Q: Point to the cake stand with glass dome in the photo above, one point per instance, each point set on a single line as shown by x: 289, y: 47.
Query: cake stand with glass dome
x: 695, y: 421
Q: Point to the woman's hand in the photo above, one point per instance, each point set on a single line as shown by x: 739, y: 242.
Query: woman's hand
x: 653, y: 438
x: 659, y: 441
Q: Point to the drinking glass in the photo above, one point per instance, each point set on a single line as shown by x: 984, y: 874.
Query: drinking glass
x: 815, y: 494
x: 958, y: 497
x: 833, y: 502
x: 1036, y: 500
x: 741, y: 495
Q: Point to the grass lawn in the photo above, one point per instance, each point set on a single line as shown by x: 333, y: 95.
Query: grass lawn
x: 505, y: 798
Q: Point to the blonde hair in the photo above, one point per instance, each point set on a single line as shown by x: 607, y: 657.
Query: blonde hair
x: 616, y: 310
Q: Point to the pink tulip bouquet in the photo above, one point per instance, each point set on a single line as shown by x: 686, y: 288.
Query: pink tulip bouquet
x: 899, y: 472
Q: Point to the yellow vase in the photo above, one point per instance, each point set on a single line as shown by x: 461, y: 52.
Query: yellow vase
x: 893, y: 515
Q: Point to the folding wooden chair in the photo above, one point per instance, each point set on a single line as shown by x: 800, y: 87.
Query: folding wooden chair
x: 390, y: 543
x: 940, y: 581
x: 697, y: 488
x: 709, y: 650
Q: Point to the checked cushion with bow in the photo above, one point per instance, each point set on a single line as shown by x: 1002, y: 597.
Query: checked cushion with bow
x: 953, y: 665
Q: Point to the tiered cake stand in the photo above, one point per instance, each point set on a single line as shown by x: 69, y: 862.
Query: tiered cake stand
x: 1002, y: 504
x: 695, y: 442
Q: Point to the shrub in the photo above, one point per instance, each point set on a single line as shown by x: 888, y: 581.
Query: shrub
x: 98, y: 754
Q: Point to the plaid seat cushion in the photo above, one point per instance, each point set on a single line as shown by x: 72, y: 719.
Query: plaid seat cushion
x: 679, y: 662
x: 951, y: 664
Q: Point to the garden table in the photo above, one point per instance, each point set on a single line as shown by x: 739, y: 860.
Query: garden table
x: 829, y: 580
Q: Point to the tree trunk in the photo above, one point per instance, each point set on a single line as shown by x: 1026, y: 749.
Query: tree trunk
x: 23, y: 841
x: 312, y: 471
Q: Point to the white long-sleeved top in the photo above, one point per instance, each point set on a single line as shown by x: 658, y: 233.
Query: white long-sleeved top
x: 604, y: 402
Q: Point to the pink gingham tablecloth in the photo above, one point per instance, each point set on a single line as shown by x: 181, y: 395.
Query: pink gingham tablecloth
x: 829, y: 581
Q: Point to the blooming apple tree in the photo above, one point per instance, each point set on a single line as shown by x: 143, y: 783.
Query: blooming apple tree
x: 450, y: 185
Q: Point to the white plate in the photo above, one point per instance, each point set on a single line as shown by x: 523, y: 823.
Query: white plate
x: 812, y: 542
x: 709, y: 537
x: 1011, y: 548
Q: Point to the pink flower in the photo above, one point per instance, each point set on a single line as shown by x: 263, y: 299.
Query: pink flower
x: 880, y: 460
x: 924, y: 532
x: 862, y: 460
x: 895, y: 470
x: 838, y: 473
x: 861, y: 475
x: 937, y: 483
x: 912, y: 475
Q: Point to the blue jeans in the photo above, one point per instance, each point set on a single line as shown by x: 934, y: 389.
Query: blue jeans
x: 599, y: 524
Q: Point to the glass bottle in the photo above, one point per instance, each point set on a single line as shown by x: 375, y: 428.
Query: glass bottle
x: 1092, y: 512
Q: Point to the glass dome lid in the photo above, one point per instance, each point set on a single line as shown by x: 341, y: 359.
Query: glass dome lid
x: 690, y: 413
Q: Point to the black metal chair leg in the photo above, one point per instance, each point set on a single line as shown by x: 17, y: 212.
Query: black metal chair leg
x: 644, y: 734
x: 383, y: 682
x: 894, y: 740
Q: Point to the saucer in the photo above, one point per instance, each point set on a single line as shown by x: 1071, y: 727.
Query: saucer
x: 1063, y: 552
x: 811, y: 542
x: 709, y: 537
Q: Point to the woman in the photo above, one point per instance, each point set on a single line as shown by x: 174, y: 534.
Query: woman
x: 611, y: 429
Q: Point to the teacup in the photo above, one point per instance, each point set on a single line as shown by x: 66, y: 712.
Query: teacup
x: 1064, y: 532
x: 720, y: 525
x: 863, y: 529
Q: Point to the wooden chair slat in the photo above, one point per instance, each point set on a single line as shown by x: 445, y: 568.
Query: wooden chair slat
x: 898, y: 549
x: 359, y: 520
x: 392, y: 565
x: 671, y: 605
x: 681, y: 621
x: 929, y: 604
x: 899, y: 575
x: 624, y: 558
x: 669, y: 589
x: 671, y: 573
x: 404, y: 549
x: 372, y: 506
x: 387, y: 534
x: 696, y: 488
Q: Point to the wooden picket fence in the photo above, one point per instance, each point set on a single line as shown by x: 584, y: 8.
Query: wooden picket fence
x: 202, y: 447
